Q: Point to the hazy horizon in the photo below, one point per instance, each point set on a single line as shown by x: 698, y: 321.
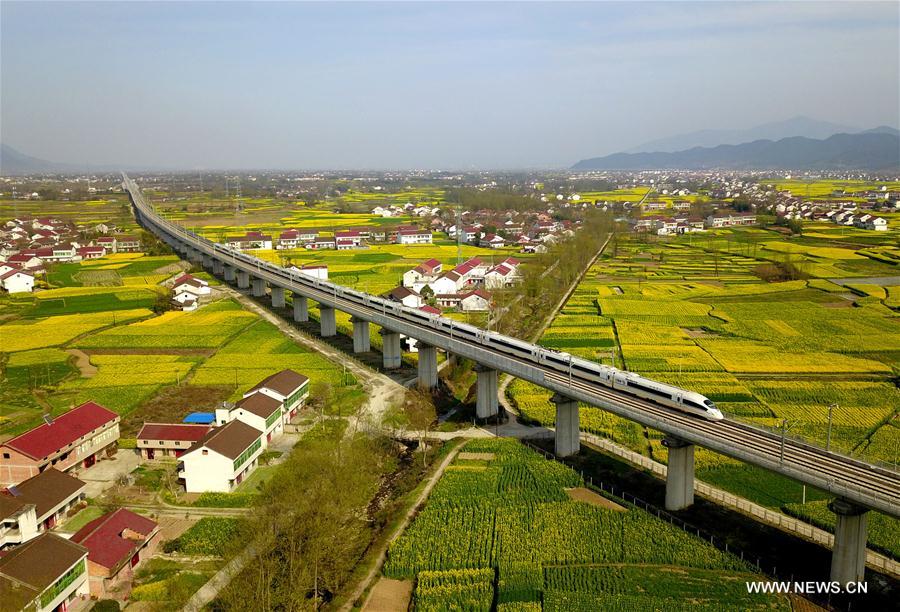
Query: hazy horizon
x: 426, y: 85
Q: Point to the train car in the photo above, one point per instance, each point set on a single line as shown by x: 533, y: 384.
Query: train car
x: 667, y: 395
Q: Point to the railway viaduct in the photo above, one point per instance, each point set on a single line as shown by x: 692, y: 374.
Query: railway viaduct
x: 857, y: 486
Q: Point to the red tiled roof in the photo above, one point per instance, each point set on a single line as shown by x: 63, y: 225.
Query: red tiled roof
x: 14, y: 272
x: 431, y: 263
x: 103, y: 537
x: 172, y: 431
x: 45, y: 439
x: 430, y: 309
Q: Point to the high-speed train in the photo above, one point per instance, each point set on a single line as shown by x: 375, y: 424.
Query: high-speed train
x: 574, y: 368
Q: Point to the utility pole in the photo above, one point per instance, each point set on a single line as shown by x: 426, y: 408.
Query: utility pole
x: 828, y: 437
x: 783, y: 432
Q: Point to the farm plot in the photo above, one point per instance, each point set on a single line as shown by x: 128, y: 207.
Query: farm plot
x: 516, y: 538
x: 28, y: 334
x: 745, y: 356
x: 207, y: 328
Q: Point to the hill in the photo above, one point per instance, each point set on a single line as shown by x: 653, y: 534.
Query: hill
x: 866, y: 151
x: 796, y: 126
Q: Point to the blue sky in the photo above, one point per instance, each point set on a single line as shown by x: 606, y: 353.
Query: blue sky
x: 426, y: 85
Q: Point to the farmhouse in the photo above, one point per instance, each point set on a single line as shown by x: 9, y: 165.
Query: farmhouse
x: 221, y: 459
x: 493, y: 241
x: 289, y: 239
x: 47, y: 573
x: 128, y: 244
x: 250, y: 241
x: 157, y: 440
x: 348, y: 239
x: 116, y: 544
x: 414, y: 236
x: 91, y: 252
x: 319, y: 271
x: 17, y: 281
x: 425, y: 271
x: 52, y: 493
x: 186, y: 302
x: 190, y: 284
x: 405, y: 296
x: 287, y: 386
x: 475, y: 301
x: 501, y: 275
x: 321, y: 242
x: 72, y: 441
x: 262, y: 412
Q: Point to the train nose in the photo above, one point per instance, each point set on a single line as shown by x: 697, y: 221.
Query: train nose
x: 716, y: 414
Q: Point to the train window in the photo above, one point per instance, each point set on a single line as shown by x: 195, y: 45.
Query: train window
x: 652, y: 390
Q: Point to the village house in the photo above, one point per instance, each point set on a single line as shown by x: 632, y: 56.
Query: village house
x: 74, y: 440
x: 288, y: 387
x: 469, y: 301
x: 185, y: 302
x: 289, y: 239
x: 222, y: 459
x: 116, y: 543
x: 48, y: 573
x: 250, y: 241
x: 91, y: 252
x: 425, y: 271
x: 156, y: 440
x: 414, y: 236
x: 17, y: 281
x: 128, y: 244
x: 730, y: 219
x: 501, y: 275
x: 260, y: 411
x: 319, y: 271
x: 321, y: 242
x: 405, y: 296
x: 493, y: 241
x: 190, y: 284
x: 53, y: 494
x: 107, y: 242
x: 348, y: 239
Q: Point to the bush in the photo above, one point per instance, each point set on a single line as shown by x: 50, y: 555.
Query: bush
x: 224, y: 500
x: 209, y: 536
x: 106, y: 605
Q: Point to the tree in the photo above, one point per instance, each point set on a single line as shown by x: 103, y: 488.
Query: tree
x: 421, y: 414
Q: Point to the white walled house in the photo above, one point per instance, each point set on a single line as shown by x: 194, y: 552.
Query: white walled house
x: 414, y: 236
x: 261, y: 412
x: 192, y: 285
x: 48, y: 573
x: 222, y: 459
x: 288, y: 387
x: 17, y: 281
x: 405, y: 296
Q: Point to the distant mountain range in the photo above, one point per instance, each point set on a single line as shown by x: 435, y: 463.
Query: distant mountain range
x: 876, y: 149
x: 795, y: 126
x: 15, y: 163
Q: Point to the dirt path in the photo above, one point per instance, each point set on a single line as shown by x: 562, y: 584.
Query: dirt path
x: 398, y: 530
x: 380, y: 390
x: 83, y: 363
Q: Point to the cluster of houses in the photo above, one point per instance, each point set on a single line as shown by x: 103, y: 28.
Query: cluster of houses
x: 39, y: 488
x: 429, y: 287
x: 668, y: 226
x: 27, y: 245
x: 841, y: 213
x: 530, y: 232
x: 43, y: 569
x: 315, y: 239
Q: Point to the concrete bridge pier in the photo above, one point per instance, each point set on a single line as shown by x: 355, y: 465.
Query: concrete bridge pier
x: 568, y: 439
x: 390, y: 348
x: 195, y: 256
x: 848, y: 559
x: 301, y: 308
x: 258, y: 287
x: 277, y: 297
x: 207, y: 262
x: 486, y: 392
x: 428, y: 372
x: 218, y: 267
x: 680, y: 474
x: 243, y: 279
x: 361, y: 342
x: 327, y: 321
x: 230, y: 273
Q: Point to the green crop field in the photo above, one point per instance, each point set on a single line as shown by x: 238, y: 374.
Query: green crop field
x: 503, y: 529
x: 691, y: 311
